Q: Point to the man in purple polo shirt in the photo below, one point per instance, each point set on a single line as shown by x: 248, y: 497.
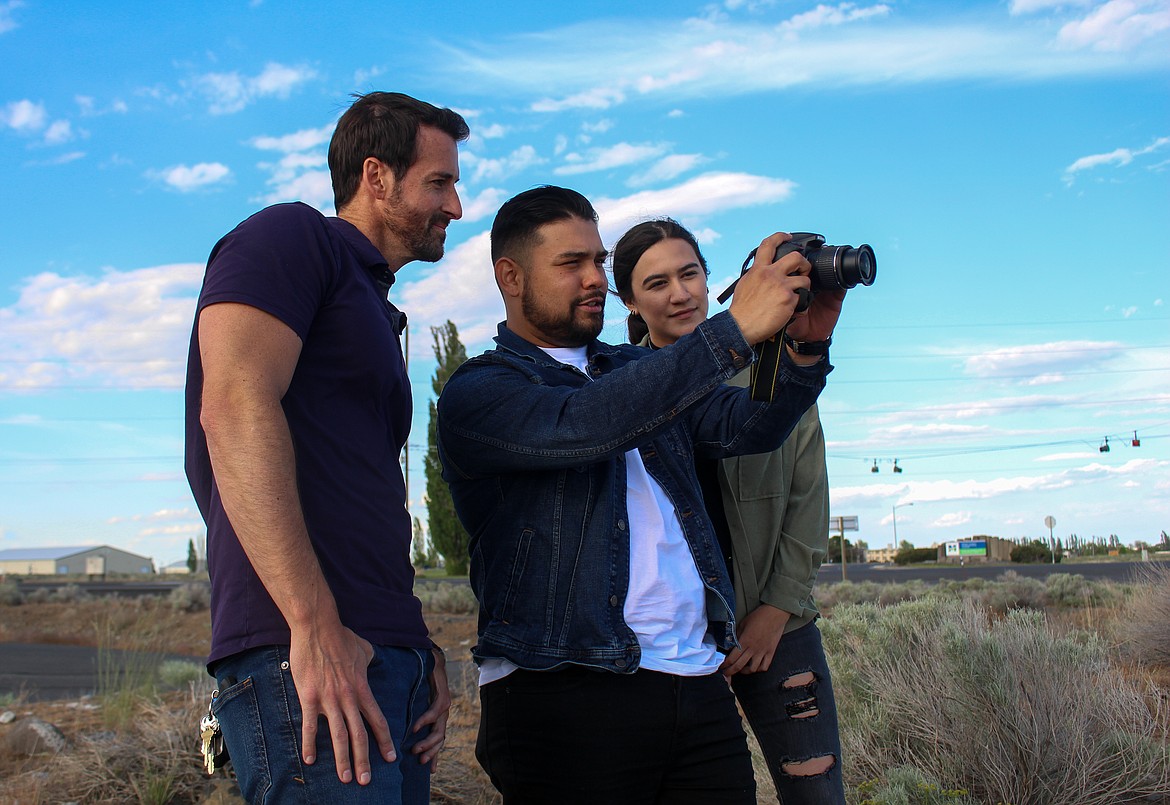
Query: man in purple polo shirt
x: 298, y: 407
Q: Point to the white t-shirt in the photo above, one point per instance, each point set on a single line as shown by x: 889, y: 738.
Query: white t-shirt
x: 666, y: 602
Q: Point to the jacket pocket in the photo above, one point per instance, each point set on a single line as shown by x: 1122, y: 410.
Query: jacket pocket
x: 516, y: 574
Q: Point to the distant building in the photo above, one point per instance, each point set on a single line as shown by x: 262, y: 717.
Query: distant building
x: 93, y: 560
x: 883, y: 555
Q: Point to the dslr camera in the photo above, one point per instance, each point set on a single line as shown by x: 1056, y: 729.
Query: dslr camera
x: 833, y: 267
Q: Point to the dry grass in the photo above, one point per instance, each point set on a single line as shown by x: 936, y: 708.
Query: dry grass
x: 1017, y: 708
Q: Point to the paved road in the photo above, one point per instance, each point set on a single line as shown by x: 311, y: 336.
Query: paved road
x: 42, y: 672
x: 1095, y: 571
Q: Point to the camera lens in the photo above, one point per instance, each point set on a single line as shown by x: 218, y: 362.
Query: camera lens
x: 843, y: 266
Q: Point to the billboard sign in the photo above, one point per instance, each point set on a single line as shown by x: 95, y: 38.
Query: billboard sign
x: 972, y: 547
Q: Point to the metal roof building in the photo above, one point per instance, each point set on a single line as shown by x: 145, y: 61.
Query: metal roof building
x: 73, y: 560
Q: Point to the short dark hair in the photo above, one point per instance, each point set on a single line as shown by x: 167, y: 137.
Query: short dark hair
x: 629, y: 250
x: 516, y: 224
x: 383, y: 125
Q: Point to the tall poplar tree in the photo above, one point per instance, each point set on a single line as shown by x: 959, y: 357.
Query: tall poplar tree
x: 447, y: 534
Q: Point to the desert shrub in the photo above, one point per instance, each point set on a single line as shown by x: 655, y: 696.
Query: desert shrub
x: 69, y: 594
x: 191, y: 597
x: 181, y: 674
x: 896, y: 592
x: 1012, y: 591
x: 847, y: 592
x: 908, y: 786
x: 1146, y: 627
x: 448, y: 597
x: 10, y: 595
x: 1002, y: 708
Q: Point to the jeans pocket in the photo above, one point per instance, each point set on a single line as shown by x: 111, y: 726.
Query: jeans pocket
x: 238, y: 711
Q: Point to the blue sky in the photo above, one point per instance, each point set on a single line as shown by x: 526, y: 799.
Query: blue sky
x: 1009, y: 162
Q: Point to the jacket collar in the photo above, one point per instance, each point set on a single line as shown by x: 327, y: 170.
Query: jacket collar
x: 508, y: 341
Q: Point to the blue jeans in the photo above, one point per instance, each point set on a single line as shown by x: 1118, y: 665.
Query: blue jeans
x: 796, y: 722
x: 260, y: 714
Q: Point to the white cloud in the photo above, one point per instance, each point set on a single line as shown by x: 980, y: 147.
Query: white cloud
x: 24, y: 116
x: 615, y: 156
x: 595, y: 98
x: 600, y: 127
x: 302, y: 140
x: 1118, y: 25
x: 1041, y: 359
x: 840, y: 14
x: 124, y: 329
x: 1033, y: 6
x: 7, y: 20
x: 231, y: 92
x: 59, y: 131
x: 188, y: 178
x: 486, y: 203
x: 481, y: 168
x: 703, y: 195
x: 952, y: 519
x: 837, y: 45
x: 666, y: 169
x: 1117, y: 157
x: 461, y: 288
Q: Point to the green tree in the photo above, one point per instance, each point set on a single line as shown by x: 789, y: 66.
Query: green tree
x: 447, y: 534
x: 192, y: 557
x: 423, y: 553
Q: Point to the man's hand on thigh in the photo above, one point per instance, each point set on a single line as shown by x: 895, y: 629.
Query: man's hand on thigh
x: 329, y: 670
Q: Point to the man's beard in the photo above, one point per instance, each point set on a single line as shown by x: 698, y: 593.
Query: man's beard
x: 415, y: 232
x: 566, y: 330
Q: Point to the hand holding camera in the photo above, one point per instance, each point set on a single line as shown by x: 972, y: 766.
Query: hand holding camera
x: 831, y: 270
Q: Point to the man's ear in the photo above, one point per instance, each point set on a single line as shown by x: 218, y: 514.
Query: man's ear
x: 377, y: 178
x: 510, y: 277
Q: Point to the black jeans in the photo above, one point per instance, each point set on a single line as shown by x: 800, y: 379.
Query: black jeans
x: 793, y: 712
x: 589, y: 737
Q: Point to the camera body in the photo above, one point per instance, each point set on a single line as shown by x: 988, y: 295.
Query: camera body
x: 833, y: 267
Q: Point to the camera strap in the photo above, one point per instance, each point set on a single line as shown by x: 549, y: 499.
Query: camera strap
x: 765, y: 371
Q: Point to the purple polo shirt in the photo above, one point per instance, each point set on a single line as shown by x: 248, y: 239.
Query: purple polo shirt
x: 348, y: 409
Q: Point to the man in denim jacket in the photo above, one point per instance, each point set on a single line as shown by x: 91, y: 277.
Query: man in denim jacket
x: 604, y: 604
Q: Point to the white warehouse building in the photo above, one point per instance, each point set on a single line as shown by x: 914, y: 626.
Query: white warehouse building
x: 91, y: 560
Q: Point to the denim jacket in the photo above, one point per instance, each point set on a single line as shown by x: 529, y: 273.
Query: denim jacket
x: 534, y: 453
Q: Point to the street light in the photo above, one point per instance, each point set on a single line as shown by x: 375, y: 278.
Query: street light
x: 894, y: 515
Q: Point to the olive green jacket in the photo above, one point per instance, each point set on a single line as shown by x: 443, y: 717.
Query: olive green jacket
x: 777, y: 507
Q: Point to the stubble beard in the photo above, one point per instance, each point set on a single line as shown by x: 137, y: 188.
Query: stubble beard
x: 567, y: 330
x: 414, y: 231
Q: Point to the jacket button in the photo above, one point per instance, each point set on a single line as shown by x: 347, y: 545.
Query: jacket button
x: 621, y: 524
x: 620, y: 663
x: 613, y: 600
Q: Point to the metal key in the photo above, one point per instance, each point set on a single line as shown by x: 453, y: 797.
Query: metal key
x: 208, y: 733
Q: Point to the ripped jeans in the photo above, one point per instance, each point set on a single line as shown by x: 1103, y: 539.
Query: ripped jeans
x: 792, y: 711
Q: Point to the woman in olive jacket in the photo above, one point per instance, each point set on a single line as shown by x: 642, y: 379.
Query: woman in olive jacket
x: 771, y: 512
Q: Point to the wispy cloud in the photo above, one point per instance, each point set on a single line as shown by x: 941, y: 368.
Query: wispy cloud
x: 7, y: 18
x: 230, y: 92
x: 614, y: 156
x: 1042, y: 359
x: 189, y: 178
x: 667, y: 168
x: 1118, y: 157
x: 839, y: 45
x: 1118, y: 25
x: 478, y: 168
